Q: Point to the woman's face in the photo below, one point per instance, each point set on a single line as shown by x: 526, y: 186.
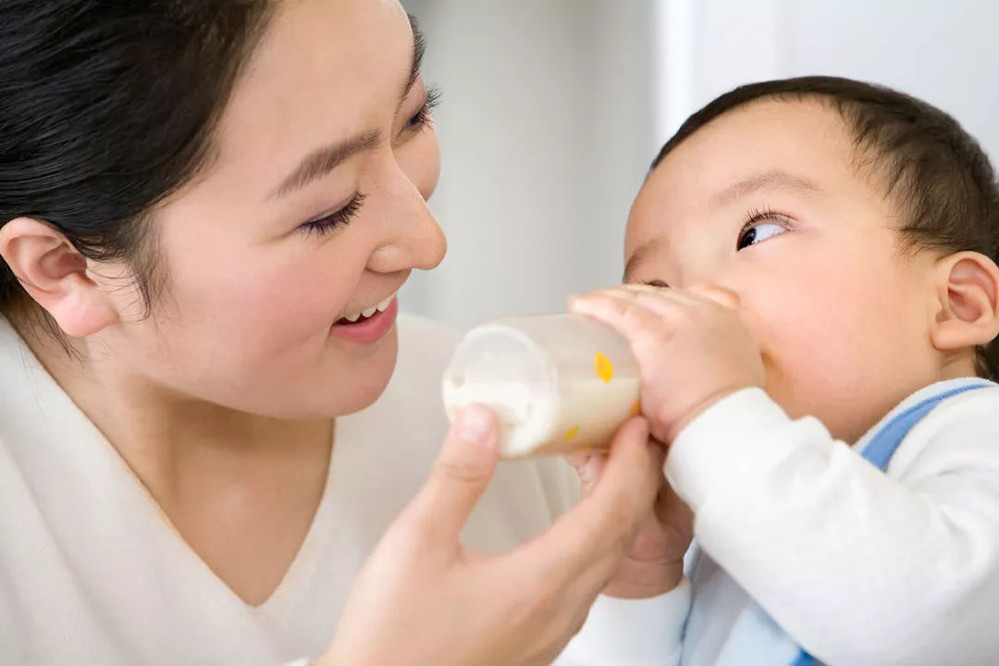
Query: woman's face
x: 312, y: 210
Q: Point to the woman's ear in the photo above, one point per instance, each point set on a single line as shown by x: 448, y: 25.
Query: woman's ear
x: 967, y: 286
x: 55, y: 275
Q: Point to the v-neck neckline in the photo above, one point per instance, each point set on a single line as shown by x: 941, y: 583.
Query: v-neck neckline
x: 50, y: 393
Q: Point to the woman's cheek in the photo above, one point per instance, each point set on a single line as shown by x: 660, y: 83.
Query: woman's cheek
x: 294, y: 301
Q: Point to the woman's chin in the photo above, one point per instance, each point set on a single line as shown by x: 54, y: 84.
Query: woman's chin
x: 360, y: 381
x: 340, y: 382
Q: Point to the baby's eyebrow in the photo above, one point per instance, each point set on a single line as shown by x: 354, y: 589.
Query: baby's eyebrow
x: 773, y: 179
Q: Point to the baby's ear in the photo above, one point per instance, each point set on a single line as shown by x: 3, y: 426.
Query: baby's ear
x: 967, y: 286
x: 54, y: 274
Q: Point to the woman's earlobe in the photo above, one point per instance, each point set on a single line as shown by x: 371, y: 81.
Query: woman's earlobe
x: 54, y: 274
x: 967, y: 286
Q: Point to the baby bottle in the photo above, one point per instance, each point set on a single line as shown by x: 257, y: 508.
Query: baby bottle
x: 557, y: 383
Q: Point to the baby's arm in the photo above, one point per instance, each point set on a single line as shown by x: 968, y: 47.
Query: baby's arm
x: 631, y: 632
x: 858, y: 566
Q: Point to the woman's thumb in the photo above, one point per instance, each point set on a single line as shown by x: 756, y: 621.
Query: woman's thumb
x: 461, y: 474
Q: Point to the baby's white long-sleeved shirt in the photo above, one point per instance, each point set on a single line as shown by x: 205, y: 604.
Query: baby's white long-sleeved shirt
x: 859, y: 566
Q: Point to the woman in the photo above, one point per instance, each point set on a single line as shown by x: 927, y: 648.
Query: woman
x: 207, y: 209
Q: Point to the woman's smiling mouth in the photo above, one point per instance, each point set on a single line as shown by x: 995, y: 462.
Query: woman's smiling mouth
x: 368, y: 325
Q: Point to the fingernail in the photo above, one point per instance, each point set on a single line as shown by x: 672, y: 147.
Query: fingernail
x: 475, y: 424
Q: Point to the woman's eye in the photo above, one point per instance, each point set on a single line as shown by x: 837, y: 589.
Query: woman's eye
x: 330, y: 223
x: 422, y: 118
x: 761, y: 228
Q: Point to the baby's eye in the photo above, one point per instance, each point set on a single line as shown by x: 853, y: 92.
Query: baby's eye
x: 761, y: 228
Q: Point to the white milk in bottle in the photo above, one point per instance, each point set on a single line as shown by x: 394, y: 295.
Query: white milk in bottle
x: 558, y: 383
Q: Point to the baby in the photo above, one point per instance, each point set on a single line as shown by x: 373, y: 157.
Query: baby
x: 813, y: 297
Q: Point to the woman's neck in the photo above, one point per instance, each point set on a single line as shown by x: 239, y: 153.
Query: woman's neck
x: 166, y: 437
x: 231, y: 483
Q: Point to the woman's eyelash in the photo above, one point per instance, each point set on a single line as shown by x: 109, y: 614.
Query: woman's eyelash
x: 425, y: 114
x: 333, y: 221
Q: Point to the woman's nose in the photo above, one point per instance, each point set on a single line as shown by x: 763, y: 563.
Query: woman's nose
x: 412, y: 237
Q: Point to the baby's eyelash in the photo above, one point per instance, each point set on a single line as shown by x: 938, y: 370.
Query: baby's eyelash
x: 755, y: 215
x: 329, y: 223
x: 754, y: 219
x: 423, y: 117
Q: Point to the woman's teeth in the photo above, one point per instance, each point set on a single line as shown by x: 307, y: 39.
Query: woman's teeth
x: 381, y: 307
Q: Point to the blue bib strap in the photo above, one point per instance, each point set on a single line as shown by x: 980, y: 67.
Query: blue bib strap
x: 888, y: 439
x: 883, y: 446
x: 805, y: 659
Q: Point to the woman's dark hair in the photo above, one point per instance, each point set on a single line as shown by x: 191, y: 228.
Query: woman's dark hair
x: 934, y: 172
x: 108, y: 107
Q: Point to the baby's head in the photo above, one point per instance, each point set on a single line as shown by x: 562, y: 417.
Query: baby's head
x: 859, y: 227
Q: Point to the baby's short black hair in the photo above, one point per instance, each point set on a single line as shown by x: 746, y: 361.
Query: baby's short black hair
x: 936, y: 173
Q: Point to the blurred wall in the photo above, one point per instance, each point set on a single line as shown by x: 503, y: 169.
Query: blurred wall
x: 553, y: 110
x: 943, y: 51
x: 546, y: 130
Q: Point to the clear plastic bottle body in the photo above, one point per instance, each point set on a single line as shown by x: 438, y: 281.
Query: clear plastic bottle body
x: 558, y: 383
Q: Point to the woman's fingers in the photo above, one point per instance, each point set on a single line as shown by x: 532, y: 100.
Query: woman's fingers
x: 460, y: 475
x: 584, y: 545
x: 518, y: 607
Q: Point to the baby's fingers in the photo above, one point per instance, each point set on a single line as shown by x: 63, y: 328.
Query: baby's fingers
x: 669, y: 303
x: 620, y: 310
x: 723, y: 297
x: 589, y: 467
x: 646, y: 329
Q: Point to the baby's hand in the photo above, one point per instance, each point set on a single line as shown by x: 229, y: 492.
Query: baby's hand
x: 691, y: 345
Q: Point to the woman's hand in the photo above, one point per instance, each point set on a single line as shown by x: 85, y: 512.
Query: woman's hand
x: 653, y: 564
x: 423, y: 599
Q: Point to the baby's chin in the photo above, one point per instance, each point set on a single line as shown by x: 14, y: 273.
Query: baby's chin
x: 846, y: 418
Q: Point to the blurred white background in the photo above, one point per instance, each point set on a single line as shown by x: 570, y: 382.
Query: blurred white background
x: 553, y: 110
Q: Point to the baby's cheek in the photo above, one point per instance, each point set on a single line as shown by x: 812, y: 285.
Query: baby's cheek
x: 804, y: 346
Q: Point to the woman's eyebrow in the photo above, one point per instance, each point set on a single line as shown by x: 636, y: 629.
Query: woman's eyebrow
x: 419, y: 48
x: 322, y: 160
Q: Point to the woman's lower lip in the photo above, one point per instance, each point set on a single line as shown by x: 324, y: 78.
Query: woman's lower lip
x: 370, y: 330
